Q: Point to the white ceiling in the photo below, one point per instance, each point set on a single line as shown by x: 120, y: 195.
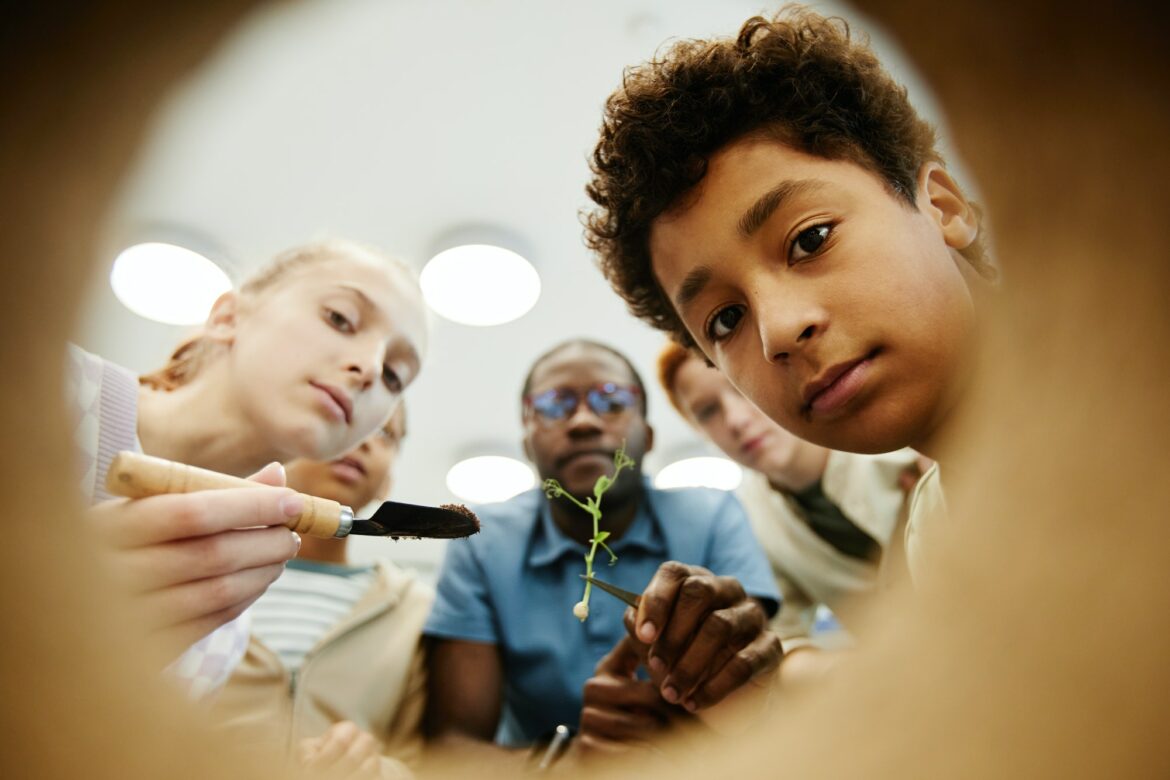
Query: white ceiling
x: 392, y: 123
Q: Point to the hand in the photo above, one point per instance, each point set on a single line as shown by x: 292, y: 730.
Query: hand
x: 343, y: 752
x: 193, y: 562
x: 706, y: 637
x: 621, y: 712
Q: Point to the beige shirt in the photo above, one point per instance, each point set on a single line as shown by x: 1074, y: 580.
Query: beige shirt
x: 808, y: 570
x: 927, y: 515
x: 369, y: 668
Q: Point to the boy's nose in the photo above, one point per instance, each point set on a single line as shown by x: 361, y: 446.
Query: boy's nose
x: 787, y: 328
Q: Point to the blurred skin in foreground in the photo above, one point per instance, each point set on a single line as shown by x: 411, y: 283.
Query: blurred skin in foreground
x: 977, y: 681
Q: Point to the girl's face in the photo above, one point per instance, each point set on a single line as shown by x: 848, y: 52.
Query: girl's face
x: 844, y: 313
x: 733, y: 423
x: 319, y: 359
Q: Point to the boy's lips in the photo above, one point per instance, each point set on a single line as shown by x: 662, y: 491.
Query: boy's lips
x: 836, y: 385
x: 339, y: 399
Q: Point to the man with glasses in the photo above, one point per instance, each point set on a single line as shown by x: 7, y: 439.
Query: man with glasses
x: 508, y: 658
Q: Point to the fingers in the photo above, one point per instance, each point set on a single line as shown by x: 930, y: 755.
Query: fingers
x: 346, y: 751
x: 187, y: 560
x: 720, y: 635
x: 128, y: 523
x: 272, y: 474
x: 624, y: 659
x: 207, y: 600
x: 606, y: 692
x: 658, y: 599
x: 698, y: 595
x: 617, y: 725
x: 762, y: 655
x: 705, y: 636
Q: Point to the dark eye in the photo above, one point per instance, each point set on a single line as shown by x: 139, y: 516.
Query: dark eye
x: 705, y: 412
x: 339, y: 320
x: 809, y: 242
x: 724, y: 322
x: 392, y: 380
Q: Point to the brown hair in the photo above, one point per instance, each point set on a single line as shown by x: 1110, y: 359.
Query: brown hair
x: 670, y: 360
x: 190, y: 356
x: 798, y: 78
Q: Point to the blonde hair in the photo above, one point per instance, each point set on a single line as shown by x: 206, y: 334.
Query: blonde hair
x: 191, y: 355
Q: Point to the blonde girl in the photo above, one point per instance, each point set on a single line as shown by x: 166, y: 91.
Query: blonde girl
x: 308, y: 358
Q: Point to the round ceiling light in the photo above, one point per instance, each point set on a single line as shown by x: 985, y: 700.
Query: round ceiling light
x: 489, y: 478
x: 480, y: 284
x: 167, y: 283
x: 718, y: 473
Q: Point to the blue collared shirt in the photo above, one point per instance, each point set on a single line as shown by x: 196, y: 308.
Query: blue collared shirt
x: 515, y: 583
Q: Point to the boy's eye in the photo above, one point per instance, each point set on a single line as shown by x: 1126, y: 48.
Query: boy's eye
x: 339, y: 320
x: 809, y: 242
x: 391, y: 379
x: 724, y: 322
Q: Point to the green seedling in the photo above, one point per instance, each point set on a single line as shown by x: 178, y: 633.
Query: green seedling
x: 592, y: 505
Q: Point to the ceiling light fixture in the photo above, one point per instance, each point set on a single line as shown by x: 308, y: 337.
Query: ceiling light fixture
x: 489, y: 478
x: 706, y: 471
x: 167, y: 283
x: 479, y: 276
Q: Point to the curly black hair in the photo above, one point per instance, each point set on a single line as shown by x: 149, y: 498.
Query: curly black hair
x: 799, y: 78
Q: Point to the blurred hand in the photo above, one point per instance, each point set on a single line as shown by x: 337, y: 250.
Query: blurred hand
x: 193, y: 562
x: 706, y: 638
x: 343, y: 752
x: 622, y: 713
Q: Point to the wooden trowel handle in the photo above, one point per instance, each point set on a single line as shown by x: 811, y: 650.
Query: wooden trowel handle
x: 134, y: 475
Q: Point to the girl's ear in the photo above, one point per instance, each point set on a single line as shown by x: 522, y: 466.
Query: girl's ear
x: 224, y: 319
x: 941, y: 199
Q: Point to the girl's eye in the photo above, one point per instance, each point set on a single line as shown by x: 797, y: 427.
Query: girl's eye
x: 706, y: 411
x: 339, y: 321
x: 809, y: 242
x: 391, y: 379
x: 724, y: 322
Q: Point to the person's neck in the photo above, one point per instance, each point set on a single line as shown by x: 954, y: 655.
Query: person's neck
x: 577, y: 524
x: 333, y: 551
x: 200, y: 424
x: 803, y: 470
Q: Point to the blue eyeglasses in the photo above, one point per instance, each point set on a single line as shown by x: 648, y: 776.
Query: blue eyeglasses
x: 605, y: 400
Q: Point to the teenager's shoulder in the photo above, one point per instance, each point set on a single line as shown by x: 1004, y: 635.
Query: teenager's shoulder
x: 699, y: 507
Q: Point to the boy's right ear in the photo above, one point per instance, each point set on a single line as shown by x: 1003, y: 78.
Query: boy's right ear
x: 943, y: 201
x: 224, y: 317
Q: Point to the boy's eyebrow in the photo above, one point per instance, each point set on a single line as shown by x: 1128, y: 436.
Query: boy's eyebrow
x: 691, y: 286
x: 759, y: 211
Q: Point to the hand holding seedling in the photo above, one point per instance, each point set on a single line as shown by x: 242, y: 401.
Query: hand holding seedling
x: 706, y: 636
x: 592, y: 505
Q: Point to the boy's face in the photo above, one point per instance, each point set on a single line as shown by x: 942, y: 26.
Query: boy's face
x: 841, y: 311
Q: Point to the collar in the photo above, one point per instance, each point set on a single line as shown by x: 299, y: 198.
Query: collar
x: 549, y: 544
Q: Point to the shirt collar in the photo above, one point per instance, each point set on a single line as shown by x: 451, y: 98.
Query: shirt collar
x: 549, y: 544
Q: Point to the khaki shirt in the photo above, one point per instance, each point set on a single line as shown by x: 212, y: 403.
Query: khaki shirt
x: 369, y: 668
x: 809, y: 570
x: 926, y: 517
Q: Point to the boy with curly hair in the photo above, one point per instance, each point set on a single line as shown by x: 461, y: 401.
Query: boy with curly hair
x: 775, y: 203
